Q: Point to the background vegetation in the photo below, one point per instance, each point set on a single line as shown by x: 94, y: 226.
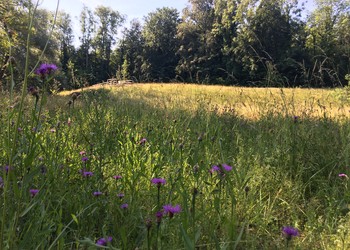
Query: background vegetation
x: 255, y: 43
x: 286, y: 147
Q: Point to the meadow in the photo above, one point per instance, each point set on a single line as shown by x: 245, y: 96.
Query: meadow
x: 175, y: 166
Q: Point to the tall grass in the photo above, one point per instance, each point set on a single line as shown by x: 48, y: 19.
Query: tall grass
x: 285, y: 150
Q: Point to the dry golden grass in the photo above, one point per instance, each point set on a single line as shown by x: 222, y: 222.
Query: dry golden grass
x: 250, y: 103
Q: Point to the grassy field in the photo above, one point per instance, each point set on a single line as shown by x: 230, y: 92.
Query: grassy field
x: 174, y: 166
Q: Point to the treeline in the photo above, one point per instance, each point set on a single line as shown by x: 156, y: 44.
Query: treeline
x: 241, y: 42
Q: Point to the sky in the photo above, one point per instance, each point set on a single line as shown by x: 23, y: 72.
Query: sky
x: 130, y: 8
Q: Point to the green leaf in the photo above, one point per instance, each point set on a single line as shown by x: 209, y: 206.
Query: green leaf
x: 75, y: 219
x: 28, y: 209
x: 188, y: 243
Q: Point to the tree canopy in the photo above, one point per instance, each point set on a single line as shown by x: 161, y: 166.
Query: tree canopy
x: 241, y: 42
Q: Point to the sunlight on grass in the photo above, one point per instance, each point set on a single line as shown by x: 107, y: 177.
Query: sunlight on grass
x: 173, y: 166
x: 250, y: 103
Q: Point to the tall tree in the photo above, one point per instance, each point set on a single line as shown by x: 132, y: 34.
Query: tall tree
x: 328, y: 31
x: 87, y: 26
x: 264, y: 38
x: 224, y: 31
x: 130, y: 53
x: 65, y: 38
x: 159, y: 33
x: 108, y: 21
x: 196, y: 40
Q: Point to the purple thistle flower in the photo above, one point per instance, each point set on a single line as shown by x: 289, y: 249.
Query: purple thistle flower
x: 214, y: 169
x: 82, y: 152
x: 117, y: 177
x: 7, y: 169
x: 87, y: 174
x: 226, y: 167
x: 121, y: 195
x: 169, y: 209
x: 84, y: 159
x: 46, y: 69
x: 158, y: 181
x: 159, y: 216
x: 289, y: 232
x: 104, y: 241
x: 124, y: 206
x: 33, y: 192
x: 52, y: 130
x: 343, y: 175
x: 143, y: 141
x: 220, y: 170
x: 97, y: 193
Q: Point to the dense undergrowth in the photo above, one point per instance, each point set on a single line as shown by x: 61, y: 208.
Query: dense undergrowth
x: 84, y: 172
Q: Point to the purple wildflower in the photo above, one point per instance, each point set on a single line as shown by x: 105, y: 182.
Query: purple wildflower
x: 7, y: 169
x: 214, y: 169
x: 84, y: 159
x: 289, y: 232
x: 87, y: 174
x: 220, y: 170
x: 343, y: 175
x: 33, y: 192
x: 82, y: 152
x: 117, y: 177
x: 159, y: 216
x: 53, y: 130
x: 121, y: 195
x: 169, y: 209
x: 226, y: 167
x: 158, y: 181
x: 97, y: 193
x: 104, y: 241
x: 143, y: 141
x: 46, y: 69
x: 124, y: 206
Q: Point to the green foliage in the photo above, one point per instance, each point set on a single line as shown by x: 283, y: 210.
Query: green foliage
x: 260, y: 43
x: 284, y: 172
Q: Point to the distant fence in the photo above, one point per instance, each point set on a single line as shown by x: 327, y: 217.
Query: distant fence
x: 113, y: 81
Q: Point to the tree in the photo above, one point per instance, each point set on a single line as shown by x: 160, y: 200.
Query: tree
x: 328, y: 33
x: 224, y: 31
x: 131, y: 49
x: 108, y: 21
x: 264, y: 40
x: 87, y: 26
x: 159, y: 34
x: 67, y: 50
x: 196, y: 41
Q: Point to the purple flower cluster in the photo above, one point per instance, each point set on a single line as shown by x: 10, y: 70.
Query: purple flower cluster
x: 290, y: 232
x: 104, y: 241
x: 98, y: 193
x: 87, y: 173
x: 124, y: 206
x: 117, y: 177
x: 158, y: 181
x: 143, y: 141
x: 220, y: 170
x: 46, y: 69
x: 171, y: 210
x: 33, y: 192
